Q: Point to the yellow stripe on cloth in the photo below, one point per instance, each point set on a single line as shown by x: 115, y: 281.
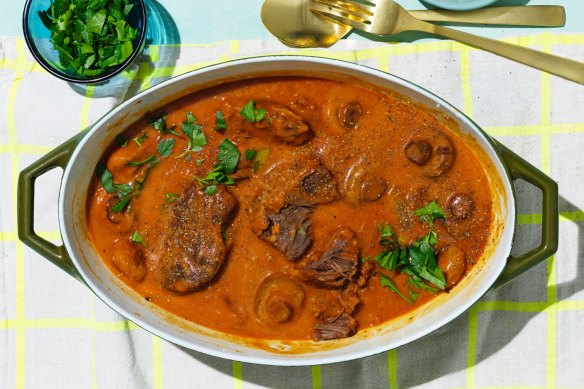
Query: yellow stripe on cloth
x: 157, y: 363
x: 473, y: 333
x: 465, y: 79
x: 546, y: 156
x: 19, y: 325
x: 25, y: 149
x: 12, y: 236
x: 316, y: 377
x: 236, y: 371
x: 84, y: 114
x: 392, y: 369
x: 71, y: 323
x: 535, y: 129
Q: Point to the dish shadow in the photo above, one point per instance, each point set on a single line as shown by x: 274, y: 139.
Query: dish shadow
x: 161, y: 46
x: 499, y: 329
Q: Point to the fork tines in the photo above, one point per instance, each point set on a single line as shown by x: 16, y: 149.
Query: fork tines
x: 346, y: 11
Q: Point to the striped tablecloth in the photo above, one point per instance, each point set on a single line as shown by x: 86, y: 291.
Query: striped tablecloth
x: 54, y: 333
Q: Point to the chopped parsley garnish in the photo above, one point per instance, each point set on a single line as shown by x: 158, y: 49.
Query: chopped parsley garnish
x: 220, y: 123
x: 387, y: 282
x: 215, y: 177
x: 159, y: 124
x: 430, y: 212
x: 107, y: 180
x: 258, y: 157
x: 228, y: 156
x: 120, y: 205
x: 195, y: 135
x: 90, y: 36
x: 210, y: 190
x: 125, y: 192
x: 417, y: 260
x: 122, y: 191
x: 171, y: 197
x: 152, y: 160
x: 250, y: 154
x: 165, y: 147
x: 137, y: 238
x: 251, y: 114
x: 141, y: 139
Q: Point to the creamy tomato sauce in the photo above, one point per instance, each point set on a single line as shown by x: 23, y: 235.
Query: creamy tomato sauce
x: 285, y: 246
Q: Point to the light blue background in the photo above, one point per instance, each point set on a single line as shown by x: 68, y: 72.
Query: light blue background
x: 207, y: 21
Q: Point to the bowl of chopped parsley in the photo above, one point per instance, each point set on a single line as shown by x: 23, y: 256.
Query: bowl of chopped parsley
x: 84, y: 41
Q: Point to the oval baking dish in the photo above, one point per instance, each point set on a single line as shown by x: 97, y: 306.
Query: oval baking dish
x: 79, y: 258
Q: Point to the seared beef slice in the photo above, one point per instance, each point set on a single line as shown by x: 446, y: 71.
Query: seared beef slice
x: 300, y: 181
x: 284, y: 207
x: 191, y: 248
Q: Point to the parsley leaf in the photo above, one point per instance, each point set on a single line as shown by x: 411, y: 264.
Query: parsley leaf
x: 122, y: 191
x: 159, y: 124
x: 430, y: 212
x: 137, y: 238
x: 107, y: 181
x: 386, y: 281
x: 220, y: 123
x: 195, y: 135
x: 165, y: 147
x: 95, y: 24
x: 170, y: 197
x: 150, y: 160
x: 120, y: 205
x: 210, y: 190
x: 228, y: 156
x: 252, y: 115
x: 260, y: 159
x: 215, y: 177
x: 141, y: 139
x: 250, y: 154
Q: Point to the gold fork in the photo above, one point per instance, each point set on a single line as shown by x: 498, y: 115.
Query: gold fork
x: 385, y: 17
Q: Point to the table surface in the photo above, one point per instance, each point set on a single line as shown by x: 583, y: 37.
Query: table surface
x: 55, y: 333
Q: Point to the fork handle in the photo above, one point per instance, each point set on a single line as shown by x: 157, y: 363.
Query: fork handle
x: 562, y: 67
x: 530, y: 15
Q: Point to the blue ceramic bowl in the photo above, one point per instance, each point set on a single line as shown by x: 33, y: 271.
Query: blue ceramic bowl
x: 460, y: 5
x: 37, y: 37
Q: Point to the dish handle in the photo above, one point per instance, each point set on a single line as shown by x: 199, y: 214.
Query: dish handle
x: 59, y: 157
x: 520, y: 169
